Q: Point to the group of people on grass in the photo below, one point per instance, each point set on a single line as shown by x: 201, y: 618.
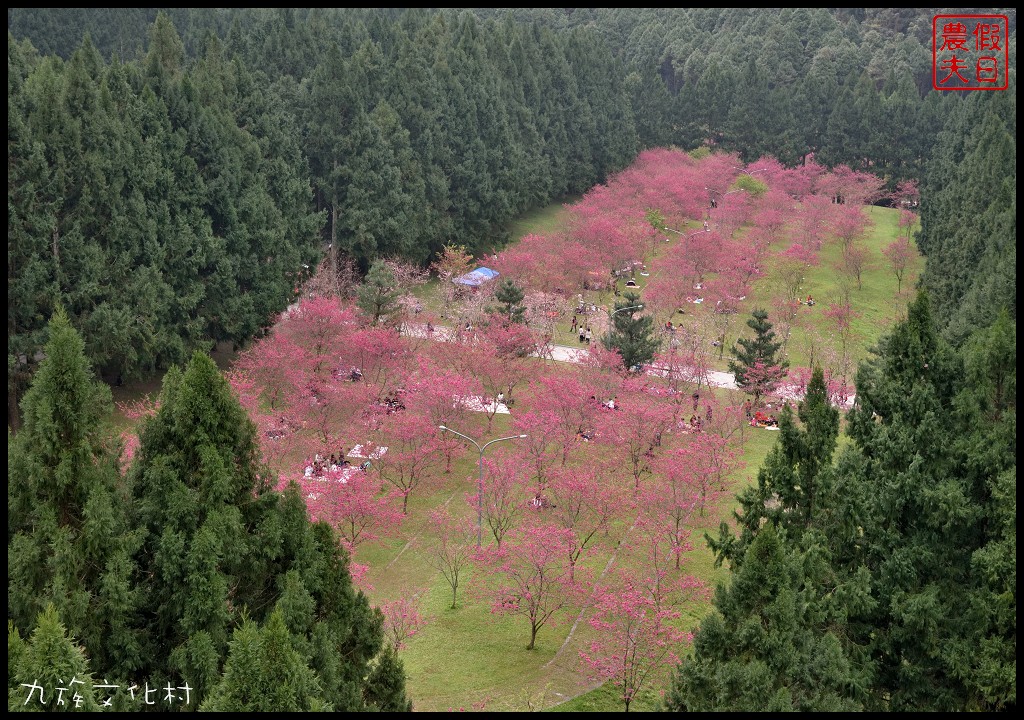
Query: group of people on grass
x: 540, y: 502
x: 354, y: 374
x: 583, y: 308
x: 320, y: 465
x: 282, y: 429
x: 759, y: 418
x: 695, y: 424
x: 611, y: 403
x: 393, y: 403
x: 585, y: 435
x: 582, y: 326
x: 584, y: 331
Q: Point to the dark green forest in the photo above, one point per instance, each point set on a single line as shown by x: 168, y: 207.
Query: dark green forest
x: 174, y: 176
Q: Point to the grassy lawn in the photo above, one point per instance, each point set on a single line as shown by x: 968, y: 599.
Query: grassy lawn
x: 876, y: 304
x: 547, y: 220
x: 607, y: 698
x: 467, y: 657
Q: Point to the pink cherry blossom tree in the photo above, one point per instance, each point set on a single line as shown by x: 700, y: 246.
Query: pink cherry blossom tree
x: 413, y: 456
x: 791, y: 268
x: 841, y: 315
x: 350, y: 501
x: 583, y: 501
x: 786, y: 312
x: 772, y: 219
x: 450, y: 548
x: 761, y: 380
x: 542, y: 447
x: 563, y: 411
x: 648, y: 550
x: 634, y: 429
x: 504, y: 493
x: 444, y: 397
x: 850, y: 187
x: 532, y: 577
x: 850, y: 225
x: 402, y: 619
x: 137, y: 411
x: 635, y: 641
x: 899, y: 254
x: 671, y: 500
x: 906, y: 194
x: 815, y: 220
x: 856, y: 260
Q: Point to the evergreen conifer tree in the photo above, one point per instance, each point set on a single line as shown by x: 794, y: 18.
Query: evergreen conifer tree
x: 377, y: 297
x: 264, y: 673
x: 70, y: 539
x: 385, y: 688
x: 632, y: 335
x: 757, y: 367
x: 49, y: 672
x: 794, y: 478
x: 916, y: 504
x: 762, y: 649
x: 222, y: 546
x: 511, y: 297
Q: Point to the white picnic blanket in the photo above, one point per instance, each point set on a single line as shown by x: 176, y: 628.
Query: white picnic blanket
x: 476, y: 404
x: 357, y: 452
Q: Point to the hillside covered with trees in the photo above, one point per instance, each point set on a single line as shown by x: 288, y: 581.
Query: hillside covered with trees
x: 176, y: 180
x: 174, y: 176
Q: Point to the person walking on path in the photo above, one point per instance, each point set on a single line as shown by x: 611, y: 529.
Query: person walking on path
x: 573, y: 324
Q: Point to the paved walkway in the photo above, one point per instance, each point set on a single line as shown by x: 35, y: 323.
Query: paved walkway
x: 564, y: 353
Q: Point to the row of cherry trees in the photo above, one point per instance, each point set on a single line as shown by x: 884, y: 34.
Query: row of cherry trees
x: 585, y: 479
x: 727, y: 226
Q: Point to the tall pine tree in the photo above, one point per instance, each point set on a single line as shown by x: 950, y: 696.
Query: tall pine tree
x: 221, y: 546
x: 768, y: 645
x: 793, y: 481
x: 511, y: 297
x: 631, y: 334
x: 70, y: 537
x: 919, y: 503
x: 264, y: 673
x: 757, y: 367
x: 49, y: 672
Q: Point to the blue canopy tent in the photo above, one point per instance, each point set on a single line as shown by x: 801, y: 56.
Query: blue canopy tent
x: 477, y: 278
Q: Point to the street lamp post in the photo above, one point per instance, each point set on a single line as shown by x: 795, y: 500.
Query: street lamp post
x: 480, y: 484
